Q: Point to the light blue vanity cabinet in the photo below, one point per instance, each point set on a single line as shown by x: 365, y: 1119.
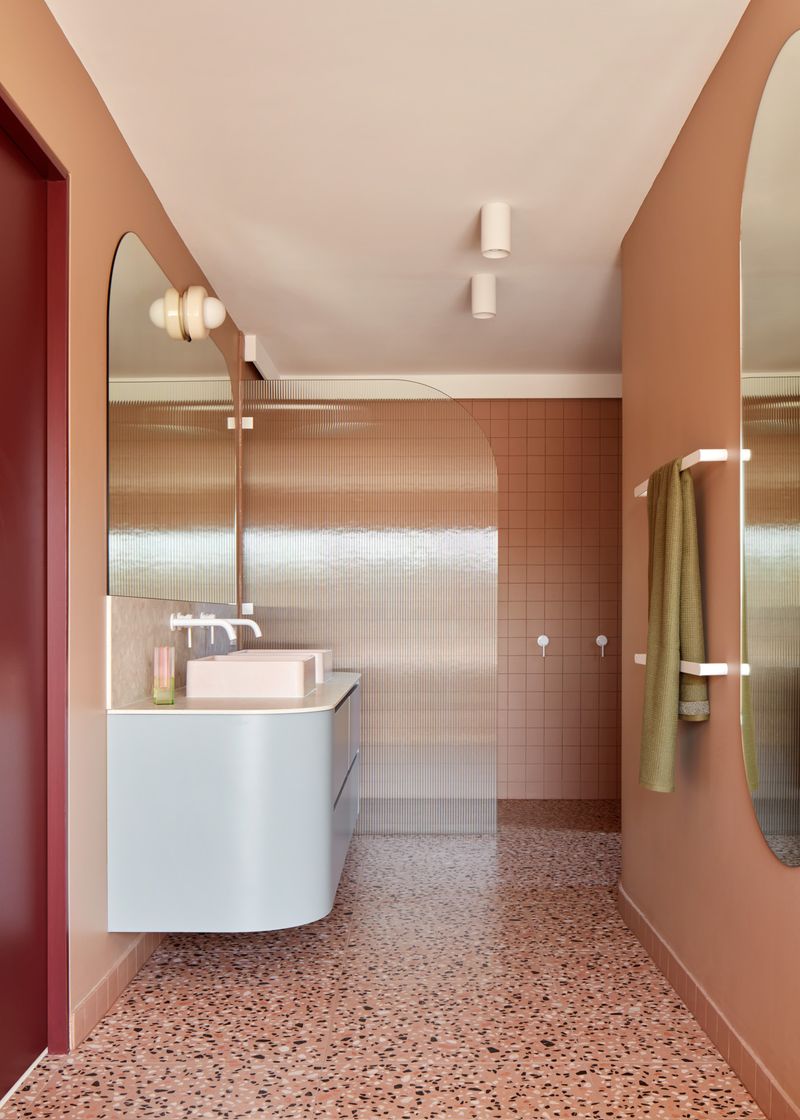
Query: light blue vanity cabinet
x: 234, y: 818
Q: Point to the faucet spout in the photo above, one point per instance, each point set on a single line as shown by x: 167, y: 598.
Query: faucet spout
x: 229, y: 630
x: 246, y: 622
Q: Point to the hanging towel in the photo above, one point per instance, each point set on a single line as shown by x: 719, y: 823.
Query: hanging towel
x: 675, y: 624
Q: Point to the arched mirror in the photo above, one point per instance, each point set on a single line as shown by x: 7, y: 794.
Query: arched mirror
x: 171, y: 453
x: 771, y: 472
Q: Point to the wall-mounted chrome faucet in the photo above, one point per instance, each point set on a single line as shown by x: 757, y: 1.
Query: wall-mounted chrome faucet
x: 209, y: 622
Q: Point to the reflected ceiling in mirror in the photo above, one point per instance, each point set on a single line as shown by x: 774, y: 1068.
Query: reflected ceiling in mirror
x: 771, y: 225
x: 138, y: 350
x: 171, y: 455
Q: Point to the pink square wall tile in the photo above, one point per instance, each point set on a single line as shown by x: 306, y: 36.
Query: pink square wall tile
x: 559, y: 573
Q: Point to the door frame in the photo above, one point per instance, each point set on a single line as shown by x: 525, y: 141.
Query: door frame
x: 15, y: 125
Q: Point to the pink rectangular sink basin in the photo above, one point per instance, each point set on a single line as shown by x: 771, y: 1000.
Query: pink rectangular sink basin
x: 323, y: 658
x: 233, y: 677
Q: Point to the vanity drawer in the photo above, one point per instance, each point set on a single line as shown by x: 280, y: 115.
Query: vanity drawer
x: 346, y: 739
x: 340, y: 760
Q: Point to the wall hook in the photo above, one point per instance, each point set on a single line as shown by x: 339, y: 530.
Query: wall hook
x: 543, y: 642
x: 602, y: 641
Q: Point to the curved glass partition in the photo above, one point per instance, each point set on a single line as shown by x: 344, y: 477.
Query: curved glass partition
x: 370, y: 526
x: 771, y: 471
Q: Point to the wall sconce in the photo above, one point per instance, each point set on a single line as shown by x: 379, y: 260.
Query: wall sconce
x: 484, y: 296
x: 187, y: 317
x: 495, y: 229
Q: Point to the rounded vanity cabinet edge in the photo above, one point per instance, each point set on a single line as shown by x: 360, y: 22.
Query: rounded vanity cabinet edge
x: 227, y: 821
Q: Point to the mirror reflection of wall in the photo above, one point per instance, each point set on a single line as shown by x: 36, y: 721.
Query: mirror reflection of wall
x: 171, y: 456
x: 771, y: 478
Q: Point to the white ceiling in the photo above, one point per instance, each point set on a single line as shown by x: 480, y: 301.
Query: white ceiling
x: 325, y: 161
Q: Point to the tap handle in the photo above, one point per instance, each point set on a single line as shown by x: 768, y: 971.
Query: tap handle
x: 178, y: 621
x: 207, y: 615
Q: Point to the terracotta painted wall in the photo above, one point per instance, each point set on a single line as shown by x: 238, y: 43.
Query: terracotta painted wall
x: 558, y: 464
x: 694, y: 861
x: 109, y: 195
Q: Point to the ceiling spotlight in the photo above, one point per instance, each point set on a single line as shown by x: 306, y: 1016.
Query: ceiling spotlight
x: 495, y: 229
x: 484, y: 296
x: 187, y: 317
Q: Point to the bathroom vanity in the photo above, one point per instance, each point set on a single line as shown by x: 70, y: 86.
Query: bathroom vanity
x: 234, y: 815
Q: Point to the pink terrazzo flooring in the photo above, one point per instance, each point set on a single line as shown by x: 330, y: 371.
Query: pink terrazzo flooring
x: 457, y: 977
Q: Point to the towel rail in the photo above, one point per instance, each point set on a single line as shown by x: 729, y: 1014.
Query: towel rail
x: 693, y: 668
x: 703, y: 455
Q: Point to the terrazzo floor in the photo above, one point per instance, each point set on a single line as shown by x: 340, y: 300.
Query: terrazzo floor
x: 457, y: 977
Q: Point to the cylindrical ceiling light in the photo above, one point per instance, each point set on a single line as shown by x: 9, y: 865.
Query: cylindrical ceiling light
x: 495, y: 229
x: 484, y: 295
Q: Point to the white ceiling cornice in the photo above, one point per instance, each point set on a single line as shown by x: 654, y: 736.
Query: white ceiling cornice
x: 494, y: 385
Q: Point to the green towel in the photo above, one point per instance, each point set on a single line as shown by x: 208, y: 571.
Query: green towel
x: 675, y: 625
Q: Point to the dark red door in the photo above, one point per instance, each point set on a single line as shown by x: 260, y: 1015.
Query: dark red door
x: 23, y: 613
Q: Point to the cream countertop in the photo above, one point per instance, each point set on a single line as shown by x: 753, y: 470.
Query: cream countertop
x: 322, y: 699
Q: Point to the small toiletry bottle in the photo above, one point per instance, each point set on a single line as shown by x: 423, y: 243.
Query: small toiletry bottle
x: 164, y: 675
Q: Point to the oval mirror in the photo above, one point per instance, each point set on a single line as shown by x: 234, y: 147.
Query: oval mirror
x: 771, y: 474
x: 171, y: 455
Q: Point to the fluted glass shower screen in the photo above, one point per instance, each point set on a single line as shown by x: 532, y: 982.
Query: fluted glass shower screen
x: 369, y: 512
